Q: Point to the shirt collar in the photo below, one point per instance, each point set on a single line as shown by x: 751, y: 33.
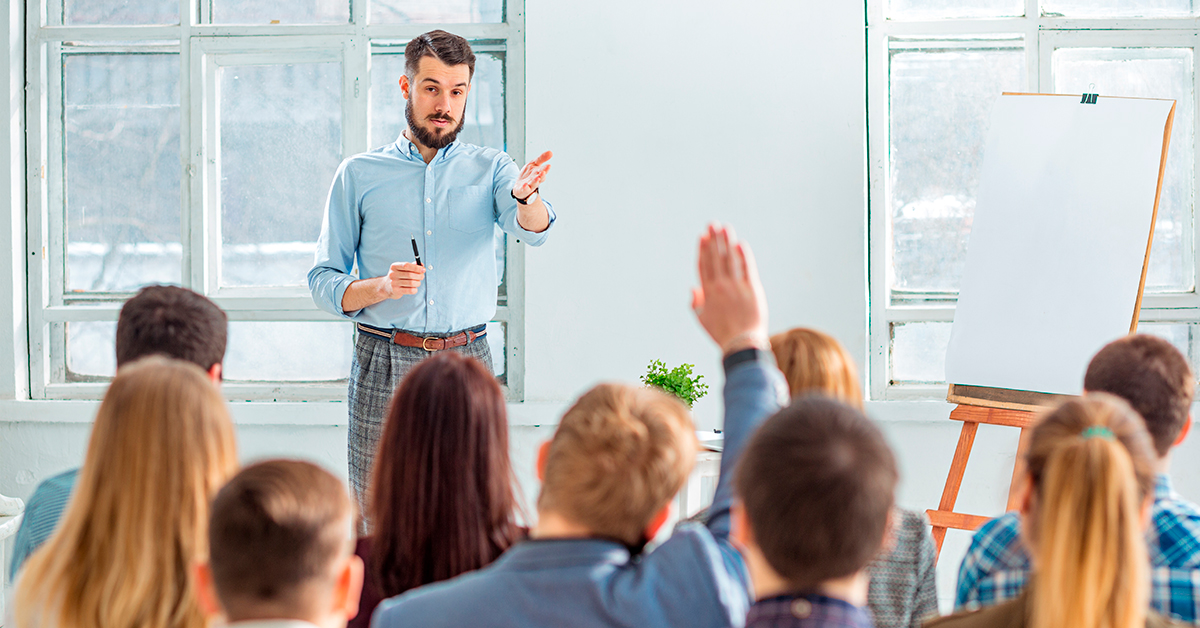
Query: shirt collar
x: 1162, y: 487
x: 410, y: 150
x: 543, y: 553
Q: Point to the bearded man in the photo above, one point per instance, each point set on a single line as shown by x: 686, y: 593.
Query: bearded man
x: 446, y: 196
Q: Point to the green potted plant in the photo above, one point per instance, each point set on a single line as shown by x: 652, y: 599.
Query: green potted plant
x: 678, y: 381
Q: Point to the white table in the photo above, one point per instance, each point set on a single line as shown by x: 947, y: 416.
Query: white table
x: 8, y: 529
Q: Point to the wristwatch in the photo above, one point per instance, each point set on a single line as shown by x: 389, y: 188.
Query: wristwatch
x: 528, y: 199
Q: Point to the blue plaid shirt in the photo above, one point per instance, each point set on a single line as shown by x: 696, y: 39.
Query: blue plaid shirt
x: 42, y: 513
x: 997, y: 566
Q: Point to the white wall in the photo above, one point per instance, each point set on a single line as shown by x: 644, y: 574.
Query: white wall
x: 662, y: 116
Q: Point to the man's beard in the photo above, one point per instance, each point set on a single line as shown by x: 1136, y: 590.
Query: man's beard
x: 427, y: 138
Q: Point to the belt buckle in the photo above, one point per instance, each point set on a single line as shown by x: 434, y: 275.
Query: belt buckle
x: 425, y: 344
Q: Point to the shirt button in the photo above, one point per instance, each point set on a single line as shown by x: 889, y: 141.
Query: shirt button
x: 428, y: 200
x: 428, y: 233
x: 802, y: 608
x: 431, y: 301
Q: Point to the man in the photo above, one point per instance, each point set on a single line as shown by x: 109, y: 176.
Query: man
x: 609, y: 473
x: 808, y: 553
x: 446, y: 197
x: 1154, y: 377
x: 281, y: 541
x: 162, y: 320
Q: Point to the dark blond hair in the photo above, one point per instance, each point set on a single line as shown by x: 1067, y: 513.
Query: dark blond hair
x: 161, y: 446
x: 618, y: 457
x: 1092, y: 466
x: 814, y: 362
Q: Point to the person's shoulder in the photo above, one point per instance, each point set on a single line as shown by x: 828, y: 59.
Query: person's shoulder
x: 53, y: 490
x: 1006, y: 615
x: 1003, y: 531
x: 380, y: 155
x: 437, y: 604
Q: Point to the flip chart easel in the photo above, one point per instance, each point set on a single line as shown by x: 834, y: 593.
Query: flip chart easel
x: 1039, y: 225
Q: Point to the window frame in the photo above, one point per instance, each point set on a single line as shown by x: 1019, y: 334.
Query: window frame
x: 201, y: 47
x: 1040, y: 36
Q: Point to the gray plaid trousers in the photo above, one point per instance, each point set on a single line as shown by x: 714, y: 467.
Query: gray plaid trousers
x: 375, y: 371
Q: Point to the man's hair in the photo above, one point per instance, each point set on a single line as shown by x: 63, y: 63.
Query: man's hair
x: 1153, y: 376
x: 445, y: 47
x: 618, y: 457
x: 276, y: 528
x: 171, y: 321
x: 818, y: 481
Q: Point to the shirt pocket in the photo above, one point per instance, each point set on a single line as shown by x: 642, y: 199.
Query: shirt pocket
x: 470, y: 208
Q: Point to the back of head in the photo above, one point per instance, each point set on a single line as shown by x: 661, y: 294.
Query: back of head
x: 161, y: 446
x: 442, y: 500
x: 817, y: 481
x: 446, y: 47
x: 171, y: 321
x: 618, y: 457
x: 814, y: 362
x: 277, y: 532
x: 1153, y: 376
x: 1092, y: 466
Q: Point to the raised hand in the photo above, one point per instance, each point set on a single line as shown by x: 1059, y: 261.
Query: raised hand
x: 532, y: 175
x: 402, y: 278
x: 730, y: 303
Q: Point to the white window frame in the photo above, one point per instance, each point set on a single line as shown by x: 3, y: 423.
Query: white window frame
x: 1041, y: 35
x: 202, y: 48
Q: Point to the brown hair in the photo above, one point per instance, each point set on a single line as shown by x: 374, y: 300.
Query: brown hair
x: 161, y: 446
x: 445, y: 47
x: 442, y: 500
x: 171, y: 321
x: 1153, y: 376
x: 813, y: 361
x: 618, y: 457
x: 818, y: 481
x: 278, y: 527
x: 1092, y: 467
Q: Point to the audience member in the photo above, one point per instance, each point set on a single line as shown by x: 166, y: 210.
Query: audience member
x: 1085, y: 501
x: 1154, y: 377
x: 161, y: 446
x: 280, y: 543
x: 817, y: 484
x: 903, y: 590
x: 163, y: 320
x: 619, y: 456
x: 441, y: 493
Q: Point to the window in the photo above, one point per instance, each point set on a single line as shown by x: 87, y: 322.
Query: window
x: 934, y: 70
x: 193, y: 143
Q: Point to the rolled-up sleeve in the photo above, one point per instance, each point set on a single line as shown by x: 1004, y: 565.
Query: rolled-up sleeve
x: 506, y: 206
x: 340, y: 228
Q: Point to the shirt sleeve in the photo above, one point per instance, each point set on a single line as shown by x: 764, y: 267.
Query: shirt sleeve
x: 506, y: 206
x: 336, y: 246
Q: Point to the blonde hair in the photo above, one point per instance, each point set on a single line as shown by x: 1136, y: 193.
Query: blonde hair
x: 161, y: 446
x: 813, y: 361
x: 619, y: 455
x: 1092, y: 465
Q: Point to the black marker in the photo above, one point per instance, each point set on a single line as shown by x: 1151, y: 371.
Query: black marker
x: 416, y: 253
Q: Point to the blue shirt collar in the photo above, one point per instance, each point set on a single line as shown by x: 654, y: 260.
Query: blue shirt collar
x: 410, y: 150
x: 558, y: 552
x: 1162, y: 487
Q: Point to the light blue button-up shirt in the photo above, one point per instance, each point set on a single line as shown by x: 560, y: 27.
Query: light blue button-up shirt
x: 382, y: 198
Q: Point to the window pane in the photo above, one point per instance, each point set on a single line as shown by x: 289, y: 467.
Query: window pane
x: 119, y: 12
x: 496, y: 333
x: 1155, y: 73
x: 281, y: 142
x: 91, y: 350
x: 485, y: 105
x: 941, y: 105
x: 121, y: 113
x: 288, y: 352
x: 933, y: 9
x: 1117, y: 8
x: 919, y: 352
x: 444, y: 11
x: 273, y: 11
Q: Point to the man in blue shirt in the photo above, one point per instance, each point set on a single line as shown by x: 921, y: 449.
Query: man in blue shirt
x: 1155, y: 378
x: 441, y: 196
x: 615, y: 462
x: 158, y: 320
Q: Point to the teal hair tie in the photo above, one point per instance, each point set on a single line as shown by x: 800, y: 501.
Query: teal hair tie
x: 1098, y: 431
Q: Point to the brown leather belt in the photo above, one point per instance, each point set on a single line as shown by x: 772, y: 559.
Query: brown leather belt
x: 428, y: 343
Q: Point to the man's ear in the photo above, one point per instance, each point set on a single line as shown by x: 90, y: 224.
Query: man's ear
x: 1187, y: 427
x: 543, y: 453
x: 214, y: 373
x: 404, y: 86
x: 347, y: 590
x: 657, y: 522
x: 206, y: 590
x: 1025, y: 495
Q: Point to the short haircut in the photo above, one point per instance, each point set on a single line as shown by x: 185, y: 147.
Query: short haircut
x: 445, y: 47
x: 815, y: 362
x: 171, y: 321
x: 1153, y: 376
x: 618, y: 457
x: 276, y: 528
x: 817, y: 481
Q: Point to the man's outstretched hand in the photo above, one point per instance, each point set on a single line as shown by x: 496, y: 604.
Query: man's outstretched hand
x: 532, y: 175
x: 730, y: 303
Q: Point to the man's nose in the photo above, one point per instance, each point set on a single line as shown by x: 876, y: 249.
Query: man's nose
x: 443, y: 103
